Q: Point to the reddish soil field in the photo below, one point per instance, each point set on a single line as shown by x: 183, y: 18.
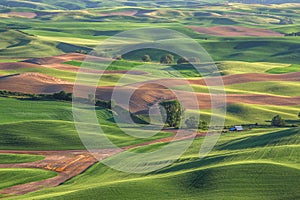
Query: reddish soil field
x: 67, y: 163
x: 57, y: 59
x: 56, y: 62
x: 152, y: 92
x: 231, y: 79
x: 251, y: 77
x: 143, y: 98
x: 29, y: 15
x: 234, y: 31
x: 147, y: 93
x: 17, y: 65
x: 33, y: 83
x: 65, y: 58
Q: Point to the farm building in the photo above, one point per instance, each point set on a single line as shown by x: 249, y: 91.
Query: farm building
x: 236, y: 128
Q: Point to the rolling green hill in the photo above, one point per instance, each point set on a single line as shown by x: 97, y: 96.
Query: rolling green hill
x: 48, y: 125
x: 265, y: 1
x: 15, y: 42
x: 20, y: 176
x: 242, y: 113
x: 255, y: 50
x: 262, y: 163
x: 56, y: 32
x: 18, y: 158
x: 83, y: 4
x: 278, y: 88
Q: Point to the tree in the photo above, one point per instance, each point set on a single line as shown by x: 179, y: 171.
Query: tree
x: 146, y: 58
x: 118, y: 57
x: 103, y: 104
x: 91, y: 98
x: 173, y: 113
x: 192, y: 123
x: 81, y: 51
x: 278, y: 121
x: 286, y: 21
x: 62, y: 95
x: 299, y: 114
x: 167, y: 59
x: 182, y: 60
x: 203, y: 125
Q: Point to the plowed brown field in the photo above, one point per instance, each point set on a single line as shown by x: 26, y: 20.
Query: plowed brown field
x: 234, y: 31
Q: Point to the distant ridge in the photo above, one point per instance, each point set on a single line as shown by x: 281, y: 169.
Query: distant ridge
x: 85, y: 4
x: 265, y: 1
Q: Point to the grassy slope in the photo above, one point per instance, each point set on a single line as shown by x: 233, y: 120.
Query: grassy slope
x: 255, y: 50
x: 154, y: 69
x: 14, y: 111
x: 18, y: 158
x: 157, y: 71
x: 9, y: 60
x: 20, y: 176
x: 240, y: 67
x: 14, y: 42
x: 278, y: 88
x: 48, y: 125
x: 248, y: 165
x: 248, y: 114
x: 289, y: 69
x: 254, y: 164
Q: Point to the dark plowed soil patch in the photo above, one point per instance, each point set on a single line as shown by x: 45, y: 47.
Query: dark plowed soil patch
x: 16, y: 65
x: 34, y: 83
x: 252, y: 77
x: 234, y: 31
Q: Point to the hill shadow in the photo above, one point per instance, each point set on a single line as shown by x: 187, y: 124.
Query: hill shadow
x: 271, y: 139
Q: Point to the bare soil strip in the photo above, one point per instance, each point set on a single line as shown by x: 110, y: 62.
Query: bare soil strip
x: 69, y: 164
x: 29, y: 15
x: 17, y: 65
x: 56, y: 62
x: 152, y: 92
x: 250, y: 77
x: 234, y: 31
x: 58, y: 59
x: 143, y: 98
x: 34, y: 83
x: 228, y: 80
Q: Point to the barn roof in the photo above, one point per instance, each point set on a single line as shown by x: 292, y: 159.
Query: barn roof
x: 239, y: 128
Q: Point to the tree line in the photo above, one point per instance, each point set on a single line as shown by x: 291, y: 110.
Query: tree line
x: 172, y: 111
